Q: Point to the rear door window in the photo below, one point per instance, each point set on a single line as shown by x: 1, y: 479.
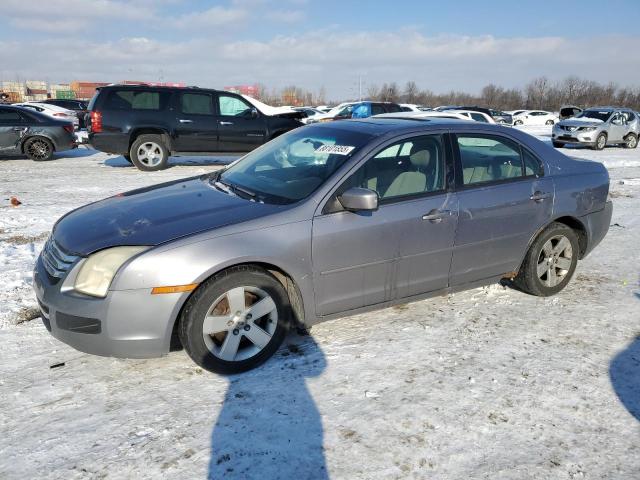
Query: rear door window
x: 136, y: 100
x: 196, y: 104
x: 9, y: 117
x: 377, y: 109
x: 488, y: 159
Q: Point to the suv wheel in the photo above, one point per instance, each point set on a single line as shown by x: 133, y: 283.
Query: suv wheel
x: 149, y: 153
x: 236, y: 320
x: 601, y: 142
x: 38, y: 149
x: 550, y: 261
x: 549, y: 122
x: 630, y: 141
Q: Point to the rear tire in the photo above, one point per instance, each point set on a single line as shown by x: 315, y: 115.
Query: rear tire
x: 549, y: 122
x: 550, y: 261
x: 149, y: 153
x: 223, y: 329
x: 601, y: 142
x: 518, y: 122
x: 38, y: 149
x: 630, y: 141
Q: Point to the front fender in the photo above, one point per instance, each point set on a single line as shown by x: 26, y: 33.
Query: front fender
x: 286, y: 247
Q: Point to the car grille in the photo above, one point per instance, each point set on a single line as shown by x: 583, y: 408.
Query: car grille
x: 568, y: 129
x: 56, y: 261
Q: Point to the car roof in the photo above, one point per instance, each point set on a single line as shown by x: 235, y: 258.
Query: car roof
x: 608, y: 109
x: 381, y: 126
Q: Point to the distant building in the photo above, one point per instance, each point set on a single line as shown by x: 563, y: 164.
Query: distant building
x: 249, y: 90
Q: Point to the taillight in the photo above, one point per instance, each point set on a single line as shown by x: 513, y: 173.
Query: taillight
x: 96, y: 122
x: 68, y: 127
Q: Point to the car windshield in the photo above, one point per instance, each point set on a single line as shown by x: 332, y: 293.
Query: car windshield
x: 601, y: 115
x: 291, y: 167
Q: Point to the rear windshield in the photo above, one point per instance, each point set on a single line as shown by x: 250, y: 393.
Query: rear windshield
x: 136, y: 100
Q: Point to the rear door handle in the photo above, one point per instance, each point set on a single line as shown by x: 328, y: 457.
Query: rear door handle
x: 539, y: 196
x: 226, y: 123
x: 183, y: 120
x: 436, y: 216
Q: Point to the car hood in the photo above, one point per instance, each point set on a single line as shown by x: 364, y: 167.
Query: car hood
x: 579, y: 122
x: 154, y: 215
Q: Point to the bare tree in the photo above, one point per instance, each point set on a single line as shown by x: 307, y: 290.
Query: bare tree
x: 410, y: 94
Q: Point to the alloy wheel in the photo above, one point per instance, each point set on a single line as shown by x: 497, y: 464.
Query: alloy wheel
x: 240, y: 323
x: 38, y: 149
x: 554, y: 261
x: 149, y: 154
x: 632, y: 141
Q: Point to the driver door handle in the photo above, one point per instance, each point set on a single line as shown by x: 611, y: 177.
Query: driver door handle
x: 435, y: 215
x: 183, y: 120
x: 539, y: 196
x: 226, y: 123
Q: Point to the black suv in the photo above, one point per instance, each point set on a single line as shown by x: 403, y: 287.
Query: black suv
x: 147, y: 124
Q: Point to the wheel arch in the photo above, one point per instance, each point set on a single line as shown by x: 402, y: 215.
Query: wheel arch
x: 24, y: 140
x: 573, y: 223
x: 286, y: 279
x: 150, y: 130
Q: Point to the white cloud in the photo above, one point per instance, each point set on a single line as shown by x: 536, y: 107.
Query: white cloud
x: 330, y: 58
x: 214, y: 17
x: 286, y: 16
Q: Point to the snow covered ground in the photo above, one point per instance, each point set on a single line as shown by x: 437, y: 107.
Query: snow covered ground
x: 489, y: 383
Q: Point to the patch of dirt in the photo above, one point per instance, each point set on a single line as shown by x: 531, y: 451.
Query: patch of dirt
x: 24, y: 239
x: 27, y: 314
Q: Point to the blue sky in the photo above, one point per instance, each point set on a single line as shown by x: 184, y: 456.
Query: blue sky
x: 460, y: 44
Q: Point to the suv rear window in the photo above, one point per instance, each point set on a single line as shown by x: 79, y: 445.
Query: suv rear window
x: 136, y: 100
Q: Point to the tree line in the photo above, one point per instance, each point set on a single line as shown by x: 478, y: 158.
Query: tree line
x: 540, y: 93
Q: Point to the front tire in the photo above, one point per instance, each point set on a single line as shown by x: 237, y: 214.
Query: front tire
x: 601, y: 142
x: 236, y: 320
x: 149, y: 153
x: 518, y: 122
x: 550, y: 261
x: 549, y: 122
x: 630, y: 141
x: 38, y: 149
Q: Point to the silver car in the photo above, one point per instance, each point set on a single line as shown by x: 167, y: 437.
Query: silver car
x: 325, y: 221
x: 598, y: 127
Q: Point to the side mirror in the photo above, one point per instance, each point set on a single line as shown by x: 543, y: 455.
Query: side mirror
x: 359, y: 199
x: 254, y: 113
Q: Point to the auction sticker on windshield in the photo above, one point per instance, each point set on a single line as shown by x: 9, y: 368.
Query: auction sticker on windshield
x: 335, y: 149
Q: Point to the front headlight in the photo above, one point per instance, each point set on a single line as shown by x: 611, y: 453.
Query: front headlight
x: 588, y: 129
x: 97, y: 271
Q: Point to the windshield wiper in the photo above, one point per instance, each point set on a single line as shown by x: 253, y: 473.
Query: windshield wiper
x: 236, y: 188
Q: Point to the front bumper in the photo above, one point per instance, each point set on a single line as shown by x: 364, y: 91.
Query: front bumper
x: 574, y: 138
x: 126, y: 324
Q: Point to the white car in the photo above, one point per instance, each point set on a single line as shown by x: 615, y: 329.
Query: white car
x: 311, y: 113
x: 473, y: 115
x: 513, y: 113
x: 535, y: 117
x: 411, y: 107
x: 422, y: 114
x: 53, y: 111
x: 337, y: 111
